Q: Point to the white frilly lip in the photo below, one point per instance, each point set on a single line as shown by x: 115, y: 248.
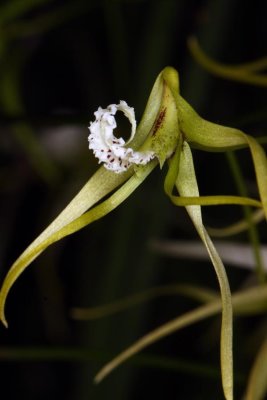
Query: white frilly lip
x: 109, y: 149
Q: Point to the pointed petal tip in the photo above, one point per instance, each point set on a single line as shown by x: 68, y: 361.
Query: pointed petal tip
x: 2, y: 310
x: 4, y: 321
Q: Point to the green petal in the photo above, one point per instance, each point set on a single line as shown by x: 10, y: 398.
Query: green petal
x: 207, y: 136
x: 72, y: 218
x: 187, y: 186
x: 165, y: 132
x: 101, y: 183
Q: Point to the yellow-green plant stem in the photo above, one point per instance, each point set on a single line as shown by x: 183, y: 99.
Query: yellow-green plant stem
x: 245, y: 73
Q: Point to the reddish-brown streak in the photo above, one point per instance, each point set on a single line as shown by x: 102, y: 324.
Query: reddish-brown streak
x: 159, y: 121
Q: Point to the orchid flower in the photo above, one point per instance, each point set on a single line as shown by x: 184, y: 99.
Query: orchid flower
x: 166, y: 133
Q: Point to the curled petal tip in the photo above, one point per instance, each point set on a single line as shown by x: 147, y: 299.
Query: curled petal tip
x: 110, y: 150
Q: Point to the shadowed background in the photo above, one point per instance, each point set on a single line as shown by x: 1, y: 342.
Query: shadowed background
x: 60, y: 60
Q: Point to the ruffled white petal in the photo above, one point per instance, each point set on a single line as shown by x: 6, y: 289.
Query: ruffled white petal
x: 107, y: 148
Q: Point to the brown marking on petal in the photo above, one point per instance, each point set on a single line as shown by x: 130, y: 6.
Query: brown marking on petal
x: 159, y: 121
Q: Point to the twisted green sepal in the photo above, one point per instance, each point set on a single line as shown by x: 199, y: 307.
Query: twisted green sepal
x: 186, y: 184
x: 182, y: 174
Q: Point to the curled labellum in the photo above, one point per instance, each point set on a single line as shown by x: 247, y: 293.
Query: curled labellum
x: 110, y: 150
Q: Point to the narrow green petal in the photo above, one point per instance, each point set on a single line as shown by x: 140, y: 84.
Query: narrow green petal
x: 101, y: 183
x: 206, y: 135
x: 260, y: 164
x: 187, y: 186
x: 212, y: 137
x: 257, y: 385
x: 150, y: 114
x: 214, y: 201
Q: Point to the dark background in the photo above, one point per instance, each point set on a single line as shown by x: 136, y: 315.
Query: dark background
x: 60, y: 60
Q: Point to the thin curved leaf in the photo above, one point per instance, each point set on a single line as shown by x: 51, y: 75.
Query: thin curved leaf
x: 244, y: 302
x: 194, y: 292
x: 245, y: 73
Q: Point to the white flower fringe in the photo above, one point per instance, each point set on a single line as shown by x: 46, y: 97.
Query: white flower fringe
x: 109, y: 149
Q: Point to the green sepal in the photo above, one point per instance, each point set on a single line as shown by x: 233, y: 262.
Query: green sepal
x: 164, y: 134
x: 186, y: 184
